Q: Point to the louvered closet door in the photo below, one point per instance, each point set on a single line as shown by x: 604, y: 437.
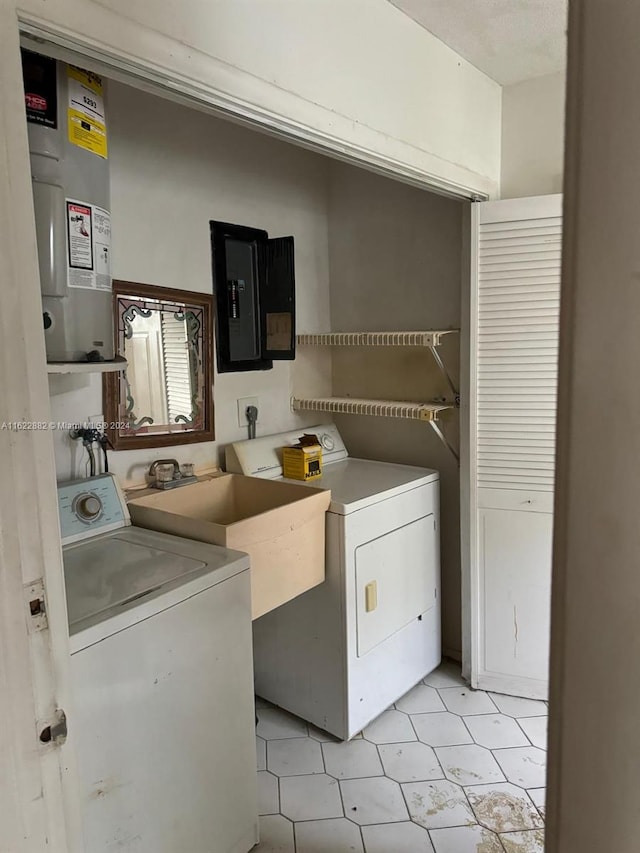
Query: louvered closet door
x: 517, y: 300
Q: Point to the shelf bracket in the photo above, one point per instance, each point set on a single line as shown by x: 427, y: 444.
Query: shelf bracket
x: 436, y: 428
x: 441, y: 366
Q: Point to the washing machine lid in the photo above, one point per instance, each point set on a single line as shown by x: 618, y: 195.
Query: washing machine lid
x: 358, y: 483
x: 122, y: 571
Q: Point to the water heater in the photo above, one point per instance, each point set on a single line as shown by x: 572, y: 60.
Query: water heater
x: 70, y: 178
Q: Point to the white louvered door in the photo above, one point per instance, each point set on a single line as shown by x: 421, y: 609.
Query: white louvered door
x: 515, y: 312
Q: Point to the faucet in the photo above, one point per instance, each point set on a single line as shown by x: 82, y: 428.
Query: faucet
x: 178, y: 477
x: 174, y: 462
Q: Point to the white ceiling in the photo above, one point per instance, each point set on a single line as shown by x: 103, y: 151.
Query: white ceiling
x: 510, y: 40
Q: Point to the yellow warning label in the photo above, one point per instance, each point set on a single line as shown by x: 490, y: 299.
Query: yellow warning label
x: 87, y: 133
x: 85, y: 111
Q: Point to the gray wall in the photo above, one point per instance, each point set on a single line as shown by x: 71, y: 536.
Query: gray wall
x: 395, y: 263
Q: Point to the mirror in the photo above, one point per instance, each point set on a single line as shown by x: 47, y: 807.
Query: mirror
x: 164, y: 396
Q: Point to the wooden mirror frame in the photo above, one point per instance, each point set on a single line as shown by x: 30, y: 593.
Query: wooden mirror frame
x: 112, y: 384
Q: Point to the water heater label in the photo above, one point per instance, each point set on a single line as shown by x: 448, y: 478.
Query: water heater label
x: 85, y: 111
x: 80, y: 231
x: 88, y: 246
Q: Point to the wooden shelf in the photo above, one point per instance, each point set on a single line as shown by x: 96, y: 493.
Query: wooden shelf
x: 375, y: 408
x: 432, y: 338
x: 58, y: 367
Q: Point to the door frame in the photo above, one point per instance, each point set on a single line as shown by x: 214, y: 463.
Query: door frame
x: 39, y: 803
x: 34, y: 680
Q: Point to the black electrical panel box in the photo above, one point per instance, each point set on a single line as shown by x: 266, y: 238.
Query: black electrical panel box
x: 254, y: 287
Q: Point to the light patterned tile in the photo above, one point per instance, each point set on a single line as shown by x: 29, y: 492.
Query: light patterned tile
x: 469, y: 765
x: 535, y: 729
x: 297, y: 756
x: 441, y: 729
x: 273, y: 723
x: 437, y: 804
x: 495, y: 731
x: 525, y: 766
x: 390, y: 727
x: 261, y: 753
x: 539, y: 797
x: 276, y: 835
x: 268, y: 802
x: 354, y: 759
x: 396, y: 838
x: 465, y: 839
x: 514, y: 706
x: 524, y: 842
x: 420, y: 700
x: 377, y: 800
x: 328, y: 836
x: 448, y: 674
x: 410, y: 762
x: 503, y: 807
x: 465, y: 701
x: 310, y: 797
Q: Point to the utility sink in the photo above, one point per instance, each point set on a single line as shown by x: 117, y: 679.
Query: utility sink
x: 280, y: 525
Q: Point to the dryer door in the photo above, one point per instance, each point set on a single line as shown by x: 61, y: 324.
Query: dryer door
x: 396, y: 580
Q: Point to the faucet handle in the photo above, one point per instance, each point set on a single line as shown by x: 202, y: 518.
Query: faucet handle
x: 154, y: 465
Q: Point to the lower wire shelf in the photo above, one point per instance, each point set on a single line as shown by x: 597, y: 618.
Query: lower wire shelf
x: 425, y: 412
x: 376, y: 408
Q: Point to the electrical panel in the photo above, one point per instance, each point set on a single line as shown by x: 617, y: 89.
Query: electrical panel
x: 254, y: 287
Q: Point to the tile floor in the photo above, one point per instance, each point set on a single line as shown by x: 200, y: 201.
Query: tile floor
x: 446, y: 770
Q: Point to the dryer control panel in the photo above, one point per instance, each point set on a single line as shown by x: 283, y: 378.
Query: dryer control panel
x: 262, y: 457
x: 90, y: 506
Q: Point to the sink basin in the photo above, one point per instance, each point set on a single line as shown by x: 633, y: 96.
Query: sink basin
x: 280, y: 525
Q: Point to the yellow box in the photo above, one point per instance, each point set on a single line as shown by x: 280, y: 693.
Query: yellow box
x: 303, y: 461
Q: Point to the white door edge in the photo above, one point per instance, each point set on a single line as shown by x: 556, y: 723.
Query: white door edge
x: 468, y: 458
x: 39, y: 805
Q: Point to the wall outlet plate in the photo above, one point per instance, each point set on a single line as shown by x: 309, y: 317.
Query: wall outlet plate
x: 243, y: 404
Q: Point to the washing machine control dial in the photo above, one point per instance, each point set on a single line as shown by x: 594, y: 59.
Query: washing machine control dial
x: 327, y: 441
x: 88, y: 507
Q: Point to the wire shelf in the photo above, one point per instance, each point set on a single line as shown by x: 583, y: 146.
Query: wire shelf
x: 375, y: 408
x: 431, y: 338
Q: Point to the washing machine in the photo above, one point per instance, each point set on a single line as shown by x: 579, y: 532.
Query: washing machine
x: 342, y: 653
x: 163, y: 714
